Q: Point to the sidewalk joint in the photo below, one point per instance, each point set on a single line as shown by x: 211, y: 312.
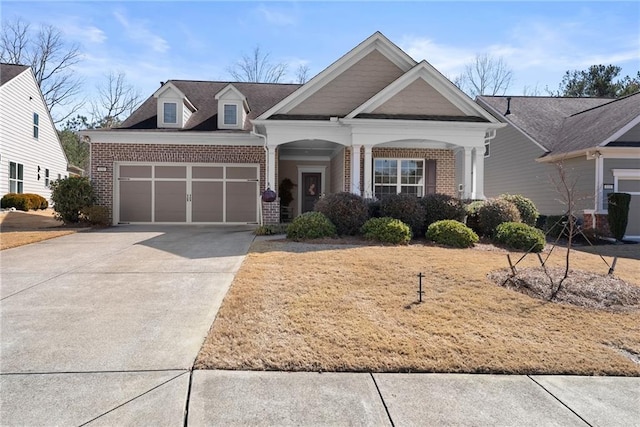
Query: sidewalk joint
x: 382, y: 399
x: 561, y: 402
x: 186, y: 405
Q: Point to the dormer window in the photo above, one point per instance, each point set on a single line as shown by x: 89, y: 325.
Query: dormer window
x: 230, y: 114
x: 170, y: 113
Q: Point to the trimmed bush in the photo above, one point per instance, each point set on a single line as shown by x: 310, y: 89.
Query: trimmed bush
x: 493, y: 213
x: 471, y: 219
x: 521, y: 236
x: 348, y: 212
x: 450, y: 232
x: 387, y: 230
x: 96, y: 215
x: 24, y: 201
x: 310, y: 225
x: 618, y: 215
x: 442, y: 206
x: 527, y: 209
x: 374, y: 208
x: 69, y: 196
x: 406, y: 208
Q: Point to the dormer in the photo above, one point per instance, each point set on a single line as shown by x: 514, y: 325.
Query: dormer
x: 174, y: 108
x: 232, y: 108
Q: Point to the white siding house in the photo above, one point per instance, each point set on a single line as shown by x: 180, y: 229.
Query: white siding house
x: 31, y: 155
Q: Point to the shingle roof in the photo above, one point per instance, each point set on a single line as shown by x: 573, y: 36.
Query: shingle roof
x: 9, y: 71
x: 541, y: 118
x: 260, y: 96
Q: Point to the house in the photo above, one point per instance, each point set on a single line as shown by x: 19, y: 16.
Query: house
x: 597, y: 140
x: 31, y: 155
x: 374, y: 122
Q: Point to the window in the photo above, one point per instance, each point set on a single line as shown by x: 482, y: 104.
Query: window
x: 393, y: 176
x: 36, y: 124
x: 230, y: 114
x: 170, y: 112
x: 46, y: 177
x: 16, y: 177
x: 59, y: 177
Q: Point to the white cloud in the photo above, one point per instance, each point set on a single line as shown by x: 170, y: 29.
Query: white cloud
x: 449, y: 60
x: 277, y: 17
x: 84, y: 34
x: 139, y: 33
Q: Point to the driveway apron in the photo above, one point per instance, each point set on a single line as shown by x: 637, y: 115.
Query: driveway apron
x: 108, y: 323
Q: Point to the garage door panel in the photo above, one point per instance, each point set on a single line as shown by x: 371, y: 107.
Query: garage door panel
x: 135, y: 171
x: 206, y: 205
x: 171, y: 172
x: 242, y: 172
x: 170, y: 201
x: 242, y: 201
x: 207, y: 172
x: 135, y: 201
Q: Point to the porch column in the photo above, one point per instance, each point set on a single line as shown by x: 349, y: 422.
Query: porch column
x: 271, y: 168
x: 467, y: 170
x: 355, y: 169
x: 478, y: 174
x: 368, y: 175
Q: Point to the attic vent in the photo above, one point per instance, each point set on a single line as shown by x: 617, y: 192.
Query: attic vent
x: 508, y: 106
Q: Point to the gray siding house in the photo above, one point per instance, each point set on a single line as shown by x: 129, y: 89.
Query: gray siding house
x: 597, y: 141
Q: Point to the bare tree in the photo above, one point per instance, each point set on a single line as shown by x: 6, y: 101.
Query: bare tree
x: 257, y: 68
x: 486, y: 75
x: 531, y: 90
x: 50, y: 58
x: 302, y: 74
x: 115, y: 98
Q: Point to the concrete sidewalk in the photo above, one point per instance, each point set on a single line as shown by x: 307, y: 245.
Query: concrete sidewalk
x: 102, y: 328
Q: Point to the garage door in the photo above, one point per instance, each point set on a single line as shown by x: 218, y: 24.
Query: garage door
x: 179, y: 193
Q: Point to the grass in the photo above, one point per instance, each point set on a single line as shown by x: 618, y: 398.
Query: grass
x: 22, y: 228
x: 330, y: 307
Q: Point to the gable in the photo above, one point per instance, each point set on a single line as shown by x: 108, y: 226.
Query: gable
x: 419, y: 97
x: 352, y: 87
x: 632, y: 135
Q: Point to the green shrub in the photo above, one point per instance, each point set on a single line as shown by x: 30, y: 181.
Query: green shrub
x: 517, y: 235
x: 527, y: 209
x: 450, y: 232
x: 310, y: 225
x: 96, y: 215
x: 442, y: 206
x: 387, y: 230
x: 23, y: 201
x: 406, y: 208
x: 271, y: 229
x: 471, y: 210
x: 345, y: 210
x: 493, y: 213
x: 374, y: 208
x: 69, y: 196
x: 618, y: 213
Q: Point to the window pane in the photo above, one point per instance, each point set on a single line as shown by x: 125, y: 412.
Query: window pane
x: 20, y: 171
x: 170, y: 112
x: 12, y: 170
x: 36, y: 119
x: 230, y: 114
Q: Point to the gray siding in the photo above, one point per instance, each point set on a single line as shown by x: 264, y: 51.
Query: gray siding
x: 610, y: 164
x: 633, y: 135
x: 512, y: 168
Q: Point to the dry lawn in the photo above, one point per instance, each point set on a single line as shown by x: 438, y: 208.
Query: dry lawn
x: 332, y: 307
x: 21, y: 228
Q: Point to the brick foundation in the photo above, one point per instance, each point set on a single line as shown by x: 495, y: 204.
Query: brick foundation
x: 601, y: 223
x: 271, y: 212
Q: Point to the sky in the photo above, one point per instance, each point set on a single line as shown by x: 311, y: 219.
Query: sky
x: 153, y: 41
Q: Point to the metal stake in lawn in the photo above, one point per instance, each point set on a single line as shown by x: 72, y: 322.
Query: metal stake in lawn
x: 420, y: 291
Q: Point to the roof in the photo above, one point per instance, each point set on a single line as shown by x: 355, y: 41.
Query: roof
x: 261, y: 96
x: 9, y: 71
x: 539, y: 117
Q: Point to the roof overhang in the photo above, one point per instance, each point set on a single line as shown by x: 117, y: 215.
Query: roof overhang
x: 115, y: 136
x: 592, y: 153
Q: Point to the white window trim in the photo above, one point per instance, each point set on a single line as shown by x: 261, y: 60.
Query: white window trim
x: 239, y: 115
x: 399, y: 184
x: 36, y: 126
x: 163, y: 113
x: 17, y: 178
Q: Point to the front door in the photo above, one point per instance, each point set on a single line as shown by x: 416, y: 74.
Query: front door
x: 311, y: 190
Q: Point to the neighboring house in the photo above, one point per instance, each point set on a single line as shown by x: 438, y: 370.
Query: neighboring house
x: 597, y: 141
x: 31, y: 156
x: 374, y: 122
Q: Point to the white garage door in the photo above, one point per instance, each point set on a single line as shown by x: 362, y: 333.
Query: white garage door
x: 179, y: 193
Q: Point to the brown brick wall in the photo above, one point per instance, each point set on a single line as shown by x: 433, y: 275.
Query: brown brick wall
x: 104, y: 155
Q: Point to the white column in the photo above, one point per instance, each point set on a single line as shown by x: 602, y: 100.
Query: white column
x: 355, y: 169
x: 271, y: 168
x: 368, y: 175
x: 478, y: 174
x: 467, y: 170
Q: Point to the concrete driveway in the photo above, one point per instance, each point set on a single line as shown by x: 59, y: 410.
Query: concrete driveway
x: 106, y: 325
